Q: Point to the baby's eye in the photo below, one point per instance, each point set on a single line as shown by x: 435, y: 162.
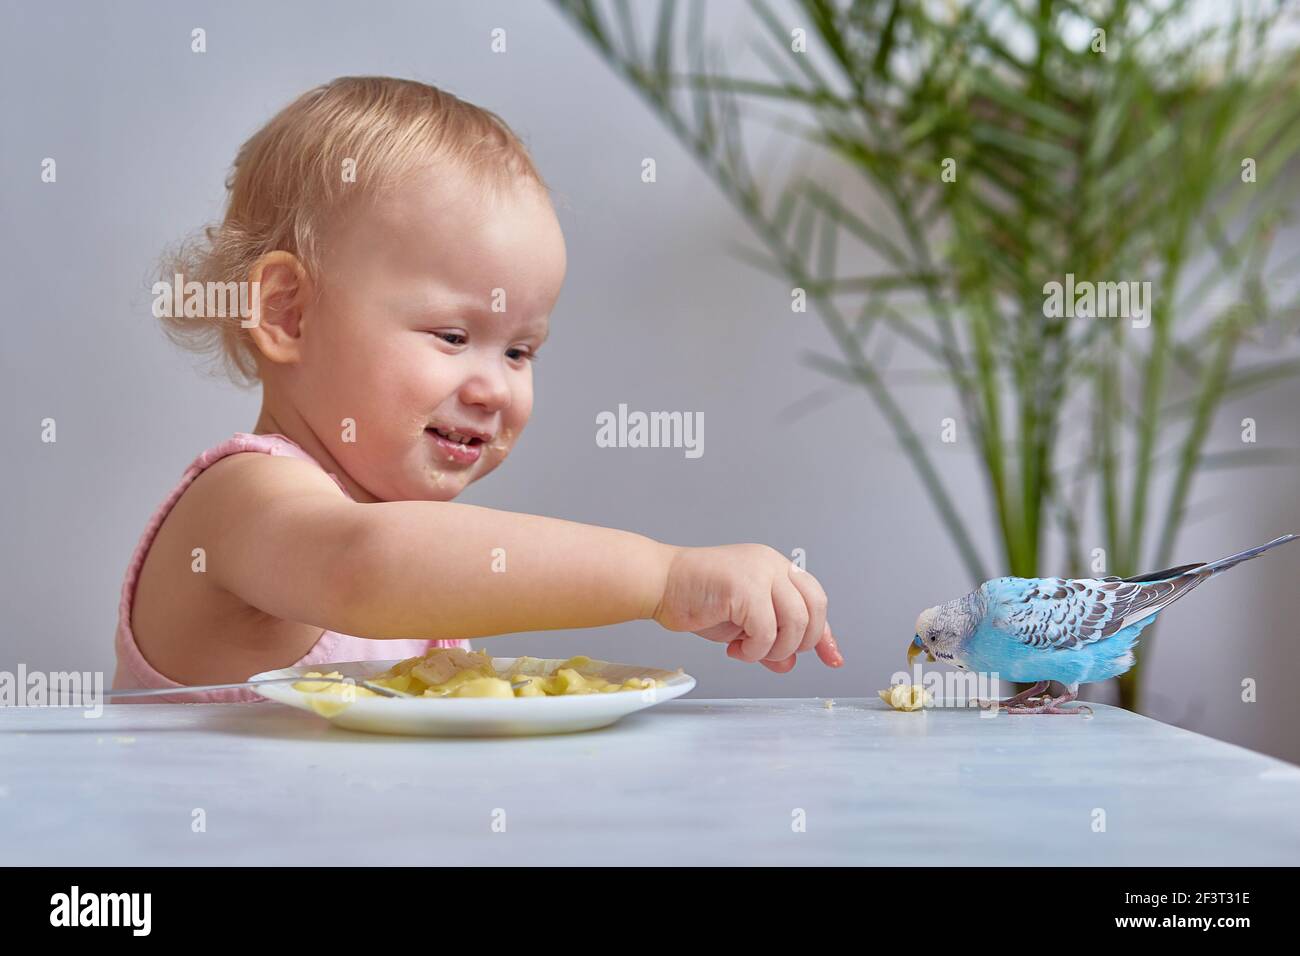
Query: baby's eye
x: 449, y: 336
x: 516, y: 354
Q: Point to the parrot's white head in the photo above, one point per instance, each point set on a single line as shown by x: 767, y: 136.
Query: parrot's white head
x: 941, y: 631
x: 921, y: 640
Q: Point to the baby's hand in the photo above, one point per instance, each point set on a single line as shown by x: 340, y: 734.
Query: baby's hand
x: 751, y: 598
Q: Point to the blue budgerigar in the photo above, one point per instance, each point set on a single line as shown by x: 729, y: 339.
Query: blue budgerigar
x: 1069, y: 630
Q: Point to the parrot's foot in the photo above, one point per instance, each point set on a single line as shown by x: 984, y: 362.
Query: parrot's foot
x: 1052, y: 705
x: 1018, y: 699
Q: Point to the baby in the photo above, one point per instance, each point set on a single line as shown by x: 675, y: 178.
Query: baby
x: 400, y: 258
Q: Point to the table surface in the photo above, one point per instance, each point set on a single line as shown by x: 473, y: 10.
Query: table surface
x: 692, y: 781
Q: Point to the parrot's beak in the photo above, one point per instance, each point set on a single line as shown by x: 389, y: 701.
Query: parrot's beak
x: 917, y: 648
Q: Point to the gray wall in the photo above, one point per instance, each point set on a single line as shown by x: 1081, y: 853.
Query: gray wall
x: 656, y: 312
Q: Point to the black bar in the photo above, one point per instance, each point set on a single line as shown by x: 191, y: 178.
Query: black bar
x: 982, y: 906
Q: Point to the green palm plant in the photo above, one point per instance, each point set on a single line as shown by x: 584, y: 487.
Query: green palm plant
x: 993, y: 148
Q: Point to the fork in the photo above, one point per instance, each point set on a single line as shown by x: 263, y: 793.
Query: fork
x: 191, y: 688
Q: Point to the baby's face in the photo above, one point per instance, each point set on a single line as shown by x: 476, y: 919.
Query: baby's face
x: 433, y: 301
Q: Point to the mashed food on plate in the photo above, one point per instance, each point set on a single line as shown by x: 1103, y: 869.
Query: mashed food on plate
x: 456, y: 672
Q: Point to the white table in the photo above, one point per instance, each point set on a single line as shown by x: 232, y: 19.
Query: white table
x: 692, y: 781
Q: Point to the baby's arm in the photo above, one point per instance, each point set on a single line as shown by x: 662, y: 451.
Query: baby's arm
x: 433, y: 568
x: 285, y: 540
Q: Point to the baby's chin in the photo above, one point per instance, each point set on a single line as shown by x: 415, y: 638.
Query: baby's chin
x: 431, y: 486
x: 444, y: 484
x: 423, y: 479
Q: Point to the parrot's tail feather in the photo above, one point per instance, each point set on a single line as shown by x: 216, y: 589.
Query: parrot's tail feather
x: 1202, y: 569
x: 1228, y: 562
x: 1163, y: 575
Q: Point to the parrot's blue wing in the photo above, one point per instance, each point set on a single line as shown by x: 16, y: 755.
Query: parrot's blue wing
x: 1063, y: 613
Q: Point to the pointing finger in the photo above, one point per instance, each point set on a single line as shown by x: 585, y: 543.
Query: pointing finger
x: 828, y: 650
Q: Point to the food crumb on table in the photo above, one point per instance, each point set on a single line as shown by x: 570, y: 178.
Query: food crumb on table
x: 906, y: 697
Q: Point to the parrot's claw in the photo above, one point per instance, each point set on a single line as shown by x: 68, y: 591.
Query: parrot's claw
x: 1005, y: 704
x: 1052, y: 705
x: 1083, y: 710
x: 1037, y: 690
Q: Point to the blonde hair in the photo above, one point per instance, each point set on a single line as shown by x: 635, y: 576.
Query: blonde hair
x: 287, y: 186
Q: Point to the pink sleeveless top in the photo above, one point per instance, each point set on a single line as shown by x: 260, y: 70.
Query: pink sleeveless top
x: 132, y: 668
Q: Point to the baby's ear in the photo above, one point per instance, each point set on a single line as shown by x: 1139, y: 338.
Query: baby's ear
x: 280, y: 291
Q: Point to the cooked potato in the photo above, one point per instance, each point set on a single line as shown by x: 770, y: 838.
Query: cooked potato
x: 484, y: 687
x: 906, y: 697
x: 438, y: 668
x: 456, y: 672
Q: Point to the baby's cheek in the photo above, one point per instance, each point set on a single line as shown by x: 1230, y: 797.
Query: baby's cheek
x: 521, y: 406
x: 503, y: 441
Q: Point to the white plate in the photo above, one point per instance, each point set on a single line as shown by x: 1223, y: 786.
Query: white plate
x: 479, y: 716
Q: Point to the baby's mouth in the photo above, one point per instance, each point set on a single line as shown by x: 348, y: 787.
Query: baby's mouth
x: 456, y: 447
x: 468, y: 441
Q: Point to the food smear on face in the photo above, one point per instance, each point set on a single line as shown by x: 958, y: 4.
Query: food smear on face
x: 456, y: 672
